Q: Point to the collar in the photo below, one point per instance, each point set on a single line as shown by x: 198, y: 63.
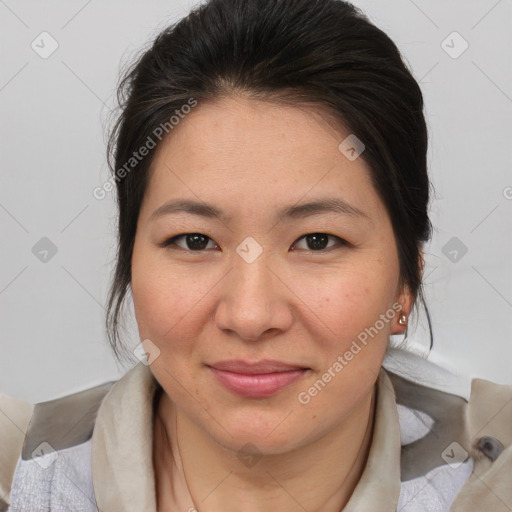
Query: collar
x: 122, y: 455
x: 122, y: 461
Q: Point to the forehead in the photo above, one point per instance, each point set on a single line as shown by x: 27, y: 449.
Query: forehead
x: 241, y: 127
x: 249, y: 150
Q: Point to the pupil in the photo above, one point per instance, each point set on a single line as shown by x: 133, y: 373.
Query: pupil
x: 317, y: 241
x: 196, y: 241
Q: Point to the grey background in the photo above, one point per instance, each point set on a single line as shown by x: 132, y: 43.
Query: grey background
x: 54, y: 118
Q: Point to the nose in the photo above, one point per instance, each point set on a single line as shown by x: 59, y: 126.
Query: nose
x: 254, y: 302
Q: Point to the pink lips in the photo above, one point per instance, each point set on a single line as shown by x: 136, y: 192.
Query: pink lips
x: 256, y: 380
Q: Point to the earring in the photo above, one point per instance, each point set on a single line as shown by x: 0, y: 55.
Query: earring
x: 403, y: 319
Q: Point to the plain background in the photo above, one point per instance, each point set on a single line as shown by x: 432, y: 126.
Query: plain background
x: 54, y: 120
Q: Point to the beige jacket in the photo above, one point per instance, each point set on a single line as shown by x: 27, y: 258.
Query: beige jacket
x: 113, y: 423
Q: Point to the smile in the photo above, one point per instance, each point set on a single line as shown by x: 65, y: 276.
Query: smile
x: 257, y: 385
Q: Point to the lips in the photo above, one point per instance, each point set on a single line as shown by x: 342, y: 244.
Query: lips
x: 256, y: 368
x: 256, y: 379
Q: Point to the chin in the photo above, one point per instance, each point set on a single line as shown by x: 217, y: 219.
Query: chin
x: 268, y: 436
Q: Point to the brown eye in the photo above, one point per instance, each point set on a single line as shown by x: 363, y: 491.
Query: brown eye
x: 319, y: 241
x: 190, y: 242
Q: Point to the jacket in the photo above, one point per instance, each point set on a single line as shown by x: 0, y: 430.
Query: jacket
x: 440, y: 444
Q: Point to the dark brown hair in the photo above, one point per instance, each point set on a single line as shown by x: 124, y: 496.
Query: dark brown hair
x: 310, y: 52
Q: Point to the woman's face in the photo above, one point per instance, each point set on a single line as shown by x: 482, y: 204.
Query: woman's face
x: 252, y: 286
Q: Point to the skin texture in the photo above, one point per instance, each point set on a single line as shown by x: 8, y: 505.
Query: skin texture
x: 250, y: 159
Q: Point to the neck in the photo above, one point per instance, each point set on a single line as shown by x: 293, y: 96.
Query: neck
x: 319, y: 476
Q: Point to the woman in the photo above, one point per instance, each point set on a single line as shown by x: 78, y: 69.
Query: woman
x: 270, y: 165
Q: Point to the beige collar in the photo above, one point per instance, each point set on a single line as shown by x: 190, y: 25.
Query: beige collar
x: 122, y: 454
x: 122, y: 449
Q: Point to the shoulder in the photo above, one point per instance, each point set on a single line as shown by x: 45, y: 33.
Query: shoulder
x: 490, y: 410
x: 55, y: 467
x: 39, y: 432
x: 489, y: 417
x: 482, y: 406
x: 461, y: 420
x: 64, y: 422
x: 14, y: 418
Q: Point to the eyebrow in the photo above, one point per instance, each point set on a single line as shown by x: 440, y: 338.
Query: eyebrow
x: 297, y: 211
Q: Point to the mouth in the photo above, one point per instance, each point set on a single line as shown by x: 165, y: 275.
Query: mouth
x: 259, y: 379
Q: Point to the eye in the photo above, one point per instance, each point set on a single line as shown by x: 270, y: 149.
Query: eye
x: 190, y: 242
x: 319, y: 241
x: 197, y: 242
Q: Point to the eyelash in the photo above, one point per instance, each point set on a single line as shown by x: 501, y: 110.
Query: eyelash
x: 170, y: 243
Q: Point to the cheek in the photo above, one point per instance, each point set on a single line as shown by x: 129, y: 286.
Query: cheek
x: 159, y: 298
x: 346, y: 301
x: 352, y: 336
x: 167, y: 308
x: 166, y: 300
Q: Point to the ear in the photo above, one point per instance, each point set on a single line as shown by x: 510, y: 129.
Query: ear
x: 406, y: 300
